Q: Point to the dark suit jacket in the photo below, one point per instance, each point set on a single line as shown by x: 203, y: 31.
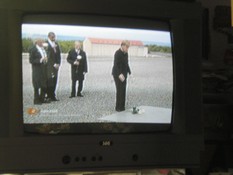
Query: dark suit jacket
x: 77, y: 71
x: 39, y: 75
x: 53, y: 58
x: 120, y: 65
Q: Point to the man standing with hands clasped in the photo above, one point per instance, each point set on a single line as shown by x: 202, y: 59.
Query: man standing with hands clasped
x: 120, y: 71
x: 38, y: 59
x: 54, y: 60
x: 77, y: 58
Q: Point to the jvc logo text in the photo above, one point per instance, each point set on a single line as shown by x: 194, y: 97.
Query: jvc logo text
x: 106, y: 143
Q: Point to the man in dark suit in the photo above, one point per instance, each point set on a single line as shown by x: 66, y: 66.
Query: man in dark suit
x: 77, y: 58
x: 54, y: 60
x: 38, y: 59
x: 120, y: 71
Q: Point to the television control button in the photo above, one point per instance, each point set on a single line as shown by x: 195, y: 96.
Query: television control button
x: 66, y: 159
x: 135, y: 157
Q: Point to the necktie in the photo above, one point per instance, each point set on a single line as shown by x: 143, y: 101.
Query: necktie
x: 54, y: 48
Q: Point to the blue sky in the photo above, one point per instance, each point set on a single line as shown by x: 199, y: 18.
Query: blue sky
x: 98, y: 32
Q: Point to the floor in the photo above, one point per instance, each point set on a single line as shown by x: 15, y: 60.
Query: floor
x: 143, y: 114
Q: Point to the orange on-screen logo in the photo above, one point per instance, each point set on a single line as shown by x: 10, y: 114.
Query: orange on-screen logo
x: 32, y: 111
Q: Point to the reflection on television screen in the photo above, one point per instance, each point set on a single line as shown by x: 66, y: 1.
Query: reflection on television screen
x: 149, y: 88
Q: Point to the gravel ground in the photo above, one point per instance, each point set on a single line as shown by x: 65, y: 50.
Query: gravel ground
x: 151, y: 84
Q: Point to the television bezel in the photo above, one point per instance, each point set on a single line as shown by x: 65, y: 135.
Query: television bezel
x: 52, y: 153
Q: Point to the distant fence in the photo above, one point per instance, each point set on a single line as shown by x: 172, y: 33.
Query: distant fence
x: 151, y: 55
x: 26, y: 55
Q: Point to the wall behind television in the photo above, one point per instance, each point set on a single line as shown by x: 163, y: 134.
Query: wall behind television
x: 218, y: 41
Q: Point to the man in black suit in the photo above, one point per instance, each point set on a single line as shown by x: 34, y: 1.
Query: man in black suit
x: 120, y: 71
x: 38, y: 59
x: 77, y: 58
x: 54, y: 60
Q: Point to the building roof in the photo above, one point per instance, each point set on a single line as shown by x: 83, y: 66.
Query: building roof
x: 114, y: 41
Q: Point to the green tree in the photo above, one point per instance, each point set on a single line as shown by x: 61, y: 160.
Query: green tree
x: 156, y: 48
x: 65, y: 46
x: 26, y: 44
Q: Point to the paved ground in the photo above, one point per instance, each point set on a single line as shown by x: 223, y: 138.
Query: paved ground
x: 150, y: 85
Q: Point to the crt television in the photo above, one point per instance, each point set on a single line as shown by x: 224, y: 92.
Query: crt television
x: 161, y: 125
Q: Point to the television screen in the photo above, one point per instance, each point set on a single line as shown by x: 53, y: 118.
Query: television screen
x: 87, y: 94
